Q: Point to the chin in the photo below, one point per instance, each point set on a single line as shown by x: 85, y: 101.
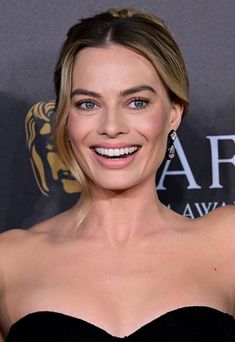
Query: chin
x: 118, y: 185
x: 114, y: 187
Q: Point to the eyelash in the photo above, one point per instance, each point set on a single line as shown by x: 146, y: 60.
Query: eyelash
x: 144, y: 101
x: 80, y: 103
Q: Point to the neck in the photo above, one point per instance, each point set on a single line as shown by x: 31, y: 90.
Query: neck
x: 123, y: 215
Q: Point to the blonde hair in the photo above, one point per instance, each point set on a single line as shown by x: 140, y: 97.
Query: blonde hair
x: 143, y: 33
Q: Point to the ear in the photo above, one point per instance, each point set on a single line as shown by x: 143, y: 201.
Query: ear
x: 175, y: 115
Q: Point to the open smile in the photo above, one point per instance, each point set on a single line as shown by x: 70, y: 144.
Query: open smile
x: 116, y: 153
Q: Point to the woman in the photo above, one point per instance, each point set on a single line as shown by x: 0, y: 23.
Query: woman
x: 119, y: 264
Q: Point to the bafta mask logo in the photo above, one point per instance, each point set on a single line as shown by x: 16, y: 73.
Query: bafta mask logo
x: 46, y: 165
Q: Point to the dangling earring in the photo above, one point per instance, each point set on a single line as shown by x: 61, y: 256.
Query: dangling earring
x: 170, y: 145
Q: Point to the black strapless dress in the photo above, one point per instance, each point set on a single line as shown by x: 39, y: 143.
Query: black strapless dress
x: 187, y: 324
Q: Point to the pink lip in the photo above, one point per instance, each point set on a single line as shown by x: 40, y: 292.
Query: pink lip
x: 117, y: 163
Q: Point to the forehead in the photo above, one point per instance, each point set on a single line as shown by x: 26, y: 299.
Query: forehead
x: 112, y: 63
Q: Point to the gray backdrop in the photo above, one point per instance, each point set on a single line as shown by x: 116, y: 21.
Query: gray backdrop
x: 202, y: 175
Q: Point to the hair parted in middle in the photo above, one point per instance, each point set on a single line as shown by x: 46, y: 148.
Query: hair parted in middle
x: 144, y: 34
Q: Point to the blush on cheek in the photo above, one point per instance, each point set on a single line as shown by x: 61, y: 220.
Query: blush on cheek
x: 75, y: 127
x: 80, y: 128
x: 153, y: 128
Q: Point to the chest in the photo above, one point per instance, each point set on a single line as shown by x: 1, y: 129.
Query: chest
x: 114, y: 287
x: 89, y: 278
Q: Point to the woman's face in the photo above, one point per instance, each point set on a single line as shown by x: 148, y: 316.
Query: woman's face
x: 119, y: 118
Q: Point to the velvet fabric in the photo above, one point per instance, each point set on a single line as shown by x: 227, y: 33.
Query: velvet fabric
x: 187, y: 324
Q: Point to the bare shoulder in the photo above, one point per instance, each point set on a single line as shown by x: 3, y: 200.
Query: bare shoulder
x: 221, y: 230
x: 219, y: 222
x: 9, y: 240
x: 13, y: 239
x: 17, y: 242
x: 223, y: 217
x: 218, y: 227
x: 19, y: 248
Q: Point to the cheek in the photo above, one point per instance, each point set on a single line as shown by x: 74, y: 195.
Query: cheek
x: 77, y: 128
x: 154, y: 128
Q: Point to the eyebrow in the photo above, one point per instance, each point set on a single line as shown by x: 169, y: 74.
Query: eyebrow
x: 126, y: 92
x: 80, y: 91
x: 134, y: 90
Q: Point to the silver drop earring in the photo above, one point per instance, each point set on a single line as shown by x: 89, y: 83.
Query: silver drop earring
x: 170, y: 145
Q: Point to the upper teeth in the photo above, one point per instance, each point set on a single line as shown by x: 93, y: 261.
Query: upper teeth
x: 111, y: 152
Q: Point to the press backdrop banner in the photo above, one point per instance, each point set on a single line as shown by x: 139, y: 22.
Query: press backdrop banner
x: 34, y: 182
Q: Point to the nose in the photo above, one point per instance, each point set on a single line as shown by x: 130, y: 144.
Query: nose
x: 112, y: 124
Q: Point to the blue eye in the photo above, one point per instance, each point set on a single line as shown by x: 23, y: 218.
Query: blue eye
x: 85, y: 105
x: 138, y: 103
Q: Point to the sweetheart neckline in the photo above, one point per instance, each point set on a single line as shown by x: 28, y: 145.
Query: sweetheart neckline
x: 157, y: 319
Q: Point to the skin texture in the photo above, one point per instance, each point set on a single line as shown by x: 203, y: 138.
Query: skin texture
x: 134, y: 259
